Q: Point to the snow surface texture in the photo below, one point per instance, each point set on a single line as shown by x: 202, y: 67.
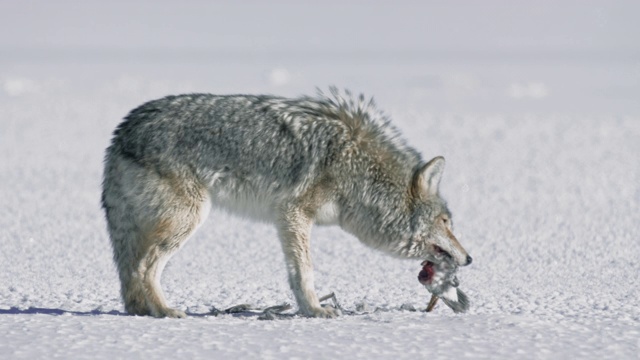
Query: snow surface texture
x: 543, y: 183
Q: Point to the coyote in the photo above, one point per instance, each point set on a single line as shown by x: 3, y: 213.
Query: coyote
x: 325, y: 159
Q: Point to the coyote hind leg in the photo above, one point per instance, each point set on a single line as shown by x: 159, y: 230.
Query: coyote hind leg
x: 149, y: 218
x: 141, y: 291
x: 184, y: 206
x: 165, y: 240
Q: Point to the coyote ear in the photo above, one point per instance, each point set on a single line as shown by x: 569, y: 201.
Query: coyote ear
x: 427, y: 179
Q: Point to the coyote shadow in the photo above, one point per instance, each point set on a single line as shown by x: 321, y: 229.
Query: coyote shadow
x: 62, y: 312
x: 237, y: 311
x: 47, y: 311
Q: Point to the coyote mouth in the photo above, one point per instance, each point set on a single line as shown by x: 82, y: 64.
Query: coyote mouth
x: 441, y: 254
x: 429, y: 266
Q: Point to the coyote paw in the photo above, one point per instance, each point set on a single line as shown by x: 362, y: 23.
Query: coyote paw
x: 324, y: 312
x: 169, y: 313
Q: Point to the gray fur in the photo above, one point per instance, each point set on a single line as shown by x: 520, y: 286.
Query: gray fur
x: 294, y: 162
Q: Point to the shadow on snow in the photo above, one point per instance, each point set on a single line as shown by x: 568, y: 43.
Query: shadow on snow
x: 60, y: 312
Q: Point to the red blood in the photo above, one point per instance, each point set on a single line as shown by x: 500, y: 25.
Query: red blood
x: 426, y: 274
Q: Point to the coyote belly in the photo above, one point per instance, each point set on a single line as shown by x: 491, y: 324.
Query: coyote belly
x: 291, y: 162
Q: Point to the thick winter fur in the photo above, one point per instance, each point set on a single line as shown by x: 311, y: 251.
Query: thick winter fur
x: 293, y: 162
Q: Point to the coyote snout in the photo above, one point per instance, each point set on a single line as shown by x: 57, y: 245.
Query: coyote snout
x: 454, y: 250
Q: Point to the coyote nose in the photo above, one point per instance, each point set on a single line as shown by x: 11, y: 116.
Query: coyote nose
x: 469, y: 260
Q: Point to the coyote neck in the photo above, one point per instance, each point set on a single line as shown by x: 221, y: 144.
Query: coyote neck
x: 380, y: 217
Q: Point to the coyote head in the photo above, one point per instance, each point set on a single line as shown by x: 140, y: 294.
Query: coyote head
x: 431, y: 223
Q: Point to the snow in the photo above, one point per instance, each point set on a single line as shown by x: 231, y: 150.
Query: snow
x: 540, y: 126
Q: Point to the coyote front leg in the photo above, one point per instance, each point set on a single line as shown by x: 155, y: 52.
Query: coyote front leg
x: 294, y: 227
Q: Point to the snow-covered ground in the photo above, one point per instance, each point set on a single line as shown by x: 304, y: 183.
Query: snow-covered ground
x: 536, y: 111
